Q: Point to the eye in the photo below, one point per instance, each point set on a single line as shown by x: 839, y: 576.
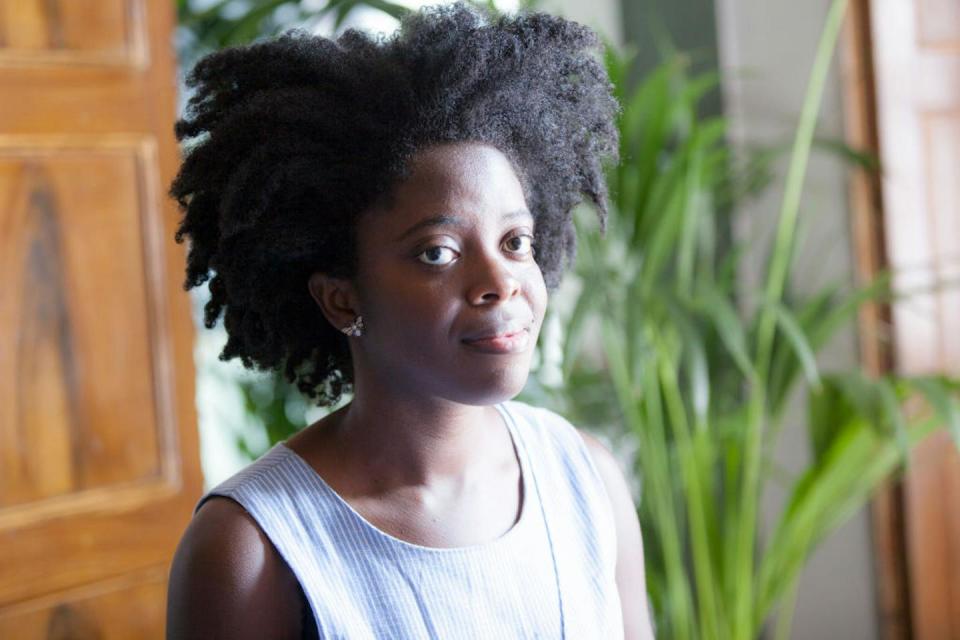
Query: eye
x: 520, y: 244
x: 437, y: 256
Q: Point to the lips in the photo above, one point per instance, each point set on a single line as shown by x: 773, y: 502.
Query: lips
x: 499, y: 338
x: 497, y: 330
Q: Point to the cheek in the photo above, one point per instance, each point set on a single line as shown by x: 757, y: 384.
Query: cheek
x: 537, y: 295
x: 404, y: 315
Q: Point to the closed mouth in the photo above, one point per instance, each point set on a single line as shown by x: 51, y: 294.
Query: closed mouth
x: 503, y: 343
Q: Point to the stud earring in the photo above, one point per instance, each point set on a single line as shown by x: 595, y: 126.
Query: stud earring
x: 355, y: 328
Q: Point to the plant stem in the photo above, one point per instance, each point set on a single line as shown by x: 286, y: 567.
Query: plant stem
x: 787, y: 606
x: 776, y: 280
x: 695, y: 495
x: 655, y: 461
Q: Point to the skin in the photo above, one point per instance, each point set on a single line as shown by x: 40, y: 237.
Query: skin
x: 442, y: 471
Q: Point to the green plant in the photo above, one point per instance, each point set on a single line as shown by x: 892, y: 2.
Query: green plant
x: 702, y: 384
x: 214, y: 24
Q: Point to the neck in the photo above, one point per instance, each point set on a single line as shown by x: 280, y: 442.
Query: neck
x: 406, y: 439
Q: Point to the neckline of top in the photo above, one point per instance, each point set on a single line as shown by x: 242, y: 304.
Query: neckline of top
x: 513, y: 532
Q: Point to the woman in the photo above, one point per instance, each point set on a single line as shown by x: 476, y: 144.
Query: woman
x: 369, y: 209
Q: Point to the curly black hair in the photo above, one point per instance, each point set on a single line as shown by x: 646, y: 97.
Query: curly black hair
x: 294, y: 137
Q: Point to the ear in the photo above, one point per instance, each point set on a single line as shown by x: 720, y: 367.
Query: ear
x: 336, y: 298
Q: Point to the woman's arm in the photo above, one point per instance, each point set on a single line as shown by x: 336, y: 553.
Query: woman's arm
x: 228, y: 581
x: 631, y: 583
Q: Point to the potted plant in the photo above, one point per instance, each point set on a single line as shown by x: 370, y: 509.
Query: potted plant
x: 701, y: 383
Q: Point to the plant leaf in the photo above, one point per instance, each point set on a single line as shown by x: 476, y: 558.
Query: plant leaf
x: 798, y: 340
x: 729, y: 326
x: 890, y: 404
x: 828, y: 410
x: 937, y: 394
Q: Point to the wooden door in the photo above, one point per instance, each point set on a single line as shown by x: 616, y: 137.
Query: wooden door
x: 98, y: 451
x: 905, y: 60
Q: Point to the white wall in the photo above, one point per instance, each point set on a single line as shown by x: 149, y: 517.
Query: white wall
x: 766, y: 51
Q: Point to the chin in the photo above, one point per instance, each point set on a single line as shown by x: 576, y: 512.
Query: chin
x: 499, y: 386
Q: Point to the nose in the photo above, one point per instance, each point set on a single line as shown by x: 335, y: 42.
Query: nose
x: 493, y: 281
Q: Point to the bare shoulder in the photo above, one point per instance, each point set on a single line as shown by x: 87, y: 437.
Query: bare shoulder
x: 631, y: 582
x: 228, y: 581
x: 602, y: 457
x: 615, y: 483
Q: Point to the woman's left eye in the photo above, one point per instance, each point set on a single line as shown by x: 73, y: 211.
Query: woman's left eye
x: 434, y: 256
x: 521, y: 244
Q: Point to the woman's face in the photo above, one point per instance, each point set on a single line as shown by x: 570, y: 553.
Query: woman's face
x: 451, y: 298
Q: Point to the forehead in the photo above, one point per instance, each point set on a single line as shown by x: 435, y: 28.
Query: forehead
x: 464, y: 179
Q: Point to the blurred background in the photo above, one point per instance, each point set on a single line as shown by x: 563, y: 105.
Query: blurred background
x: 765, y: 343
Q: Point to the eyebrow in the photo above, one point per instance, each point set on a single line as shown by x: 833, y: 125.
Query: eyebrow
x: 446, y: 220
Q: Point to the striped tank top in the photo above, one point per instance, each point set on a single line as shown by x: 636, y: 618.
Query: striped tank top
x: 552, y: 575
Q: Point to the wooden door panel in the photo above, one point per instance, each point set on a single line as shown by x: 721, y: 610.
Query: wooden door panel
x: 98, y: 450
x: 71, y: 32
x: 937, y: 22
x: 74, y: 267
x: 56, y: 551
x: 132, y: 605
x: 916, y: 49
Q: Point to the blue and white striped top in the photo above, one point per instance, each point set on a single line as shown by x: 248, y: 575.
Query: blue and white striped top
x: 552, y: 575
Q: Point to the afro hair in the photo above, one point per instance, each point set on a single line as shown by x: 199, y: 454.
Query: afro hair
x: 290, y: 139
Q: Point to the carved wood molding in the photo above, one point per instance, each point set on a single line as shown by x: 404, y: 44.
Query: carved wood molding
x: 876, y: 355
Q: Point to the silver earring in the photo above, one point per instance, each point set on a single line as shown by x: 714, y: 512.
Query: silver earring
x: 355, y: 328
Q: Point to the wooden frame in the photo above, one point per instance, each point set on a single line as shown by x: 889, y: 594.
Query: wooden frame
x: 876, y: 356
x: 901, y: 89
